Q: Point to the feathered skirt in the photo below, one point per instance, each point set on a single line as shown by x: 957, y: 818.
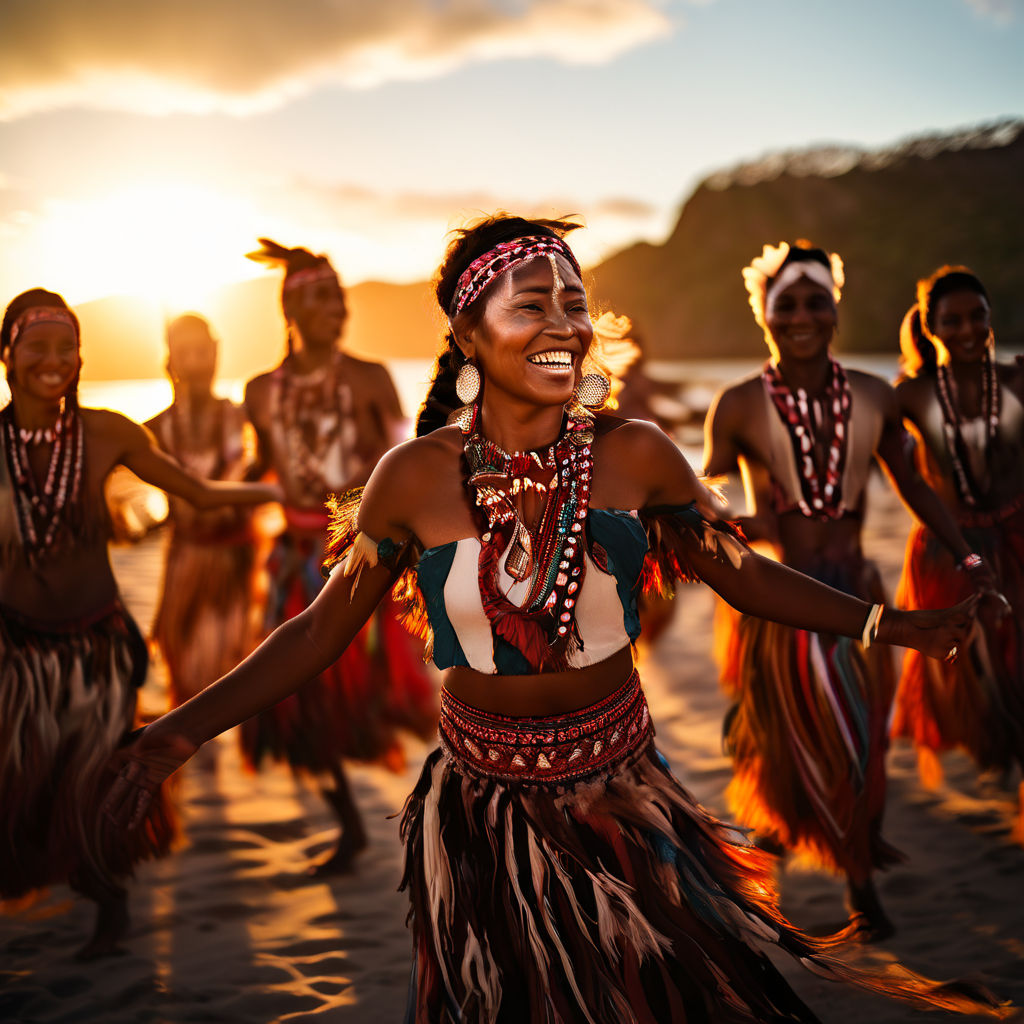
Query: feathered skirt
x: 807, y: 734
x: 67, y: 700
x: 358, y: 707
x: 976, y: 702
x: 559, y: 873
x: 205, y: 624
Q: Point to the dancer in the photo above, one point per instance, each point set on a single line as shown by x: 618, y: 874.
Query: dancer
x: 323, y: 418
x: 807, y: 733
x: 71, y: 658
x: 205, y: 622
x: 556, y: 869
x: 968, y: 414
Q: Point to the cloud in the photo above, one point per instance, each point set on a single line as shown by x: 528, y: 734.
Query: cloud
x: 242, y: 56
x: 1001, y: 11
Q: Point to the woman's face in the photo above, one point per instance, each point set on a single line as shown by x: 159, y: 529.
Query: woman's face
x: 533, y: 334
x: 44, y: 361
x: 318, y: 311
x: 801, y: 320
x: 962, y: 322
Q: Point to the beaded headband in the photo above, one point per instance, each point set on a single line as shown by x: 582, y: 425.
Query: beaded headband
x: 40, y: 315
x: 308, y: 275
x: 504, y: 256
x: 766, y: 275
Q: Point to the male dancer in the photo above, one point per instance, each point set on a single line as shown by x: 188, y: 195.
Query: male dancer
x: 206, y: 622
x: 323, y: 418
x: 808, y: 730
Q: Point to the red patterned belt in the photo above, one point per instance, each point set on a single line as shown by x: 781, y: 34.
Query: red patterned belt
x: 555, y: 748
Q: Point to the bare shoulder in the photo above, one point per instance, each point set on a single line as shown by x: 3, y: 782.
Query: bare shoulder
x: 642, y: 464
x: 733, y: 401
x: 410, y: 480
x: 913, y: 393
x: 107, y: 424
x: 870, y: 382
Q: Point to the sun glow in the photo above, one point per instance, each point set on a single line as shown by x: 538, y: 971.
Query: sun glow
x: 171, y: 243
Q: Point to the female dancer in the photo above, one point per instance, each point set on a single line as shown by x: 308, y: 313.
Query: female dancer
x: 323, y: 418
x: 204, y: 625
x: 968, y: 414
x: 71, y: 658
x: 557, y: 871
x: 808, y: 730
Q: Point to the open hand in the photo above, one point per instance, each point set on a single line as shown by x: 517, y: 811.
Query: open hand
x: 141, y: 768
x: 938, y: 633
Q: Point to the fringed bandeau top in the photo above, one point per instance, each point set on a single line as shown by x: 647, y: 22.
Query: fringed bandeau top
x: 627, y: 553
x: 606, y: 606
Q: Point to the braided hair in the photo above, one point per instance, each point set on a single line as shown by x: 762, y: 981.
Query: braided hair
x: 28, y: 300
x: 468, y: 244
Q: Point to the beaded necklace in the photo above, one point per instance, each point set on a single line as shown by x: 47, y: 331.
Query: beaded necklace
x: 952, y: 422
x: 43, y: 511
x: 314, y: 411
x: 550, y: 556
x: 821, y: 491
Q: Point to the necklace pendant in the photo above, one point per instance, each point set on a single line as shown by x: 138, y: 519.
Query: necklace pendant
x: 519, y: 563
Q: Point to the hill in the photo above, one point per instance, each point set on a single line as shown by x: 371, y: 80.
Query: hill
x: 894, y: 215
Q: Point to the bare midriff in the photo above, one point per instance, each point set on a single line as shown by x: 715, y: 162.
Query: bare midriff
x: 70, y: 586
x: 547, y: 693
x: 805, y: 543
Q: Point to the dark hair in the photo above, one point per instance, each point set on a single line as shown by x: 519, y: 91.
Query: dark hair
x: 917, y: 353
x: 27, y: 300
x: 943, y: 282
x: 468, y: 244
x: 802, y: 251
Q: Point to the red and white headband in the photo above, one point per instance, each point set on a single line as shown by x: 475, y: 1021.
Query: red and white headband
x: 503, y: 257
x: 299, y: 278
x: 40, y: 315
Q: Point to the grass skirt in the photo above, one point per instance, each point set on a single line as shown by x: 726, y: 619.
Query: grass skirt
x: 558, y: 873
x: 67, y: 700
x: 356, y: 709
x: 977, y: 702
x: 205, y: 623
x: 807, y: 736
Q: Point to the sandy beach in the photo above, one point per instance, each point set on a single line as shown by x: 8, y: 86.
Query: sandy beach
x: 230, y: 930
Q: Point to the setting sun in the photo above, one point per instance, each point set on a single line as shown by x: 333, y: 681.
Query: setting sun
x: 171, y: 243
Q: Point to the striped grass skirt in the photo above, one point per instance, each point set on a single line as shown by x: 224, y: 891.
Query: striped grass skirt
x: 808, y: 732
x: 558, y: 873
x: 977, y: 702
x: 67, y: 699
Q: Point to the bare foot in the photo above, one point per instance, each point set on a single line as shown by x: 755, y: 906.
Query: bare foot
x: 111, y: 924
x: 873, y: 925
x: 342, y: 860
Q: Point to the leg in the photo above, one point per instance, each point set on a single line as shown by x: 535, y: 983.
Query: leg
x: 353, y: 833
x: 865, y: 908
x: 112, y: 918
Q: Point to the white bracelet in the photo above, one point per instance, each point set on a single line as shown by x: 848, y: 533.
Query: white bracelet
x: 870, y: 630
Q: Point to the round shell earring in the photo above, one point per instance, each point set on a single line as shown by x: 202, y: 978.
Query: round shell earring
x: 467, y: 384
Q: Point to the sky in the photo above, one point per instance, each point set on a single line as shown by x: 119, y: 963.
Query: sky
x: 145, y: 146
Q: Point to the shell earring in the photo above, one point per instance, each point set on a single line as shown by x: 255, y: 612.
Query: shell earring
x: 467, y: 384
x: 590, y: 394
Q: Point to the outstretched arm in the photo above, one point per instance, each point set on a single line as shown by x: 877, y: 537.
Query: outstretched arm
x: 765, y: 588
x: 137, y: 449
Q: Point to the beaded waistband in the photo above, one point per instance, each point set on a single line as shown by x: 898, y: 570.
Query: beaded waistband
x: 555, y: 748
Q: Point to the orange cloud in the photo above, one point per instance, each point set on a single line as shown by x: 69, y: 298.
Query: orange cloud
x: 241, y: 56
